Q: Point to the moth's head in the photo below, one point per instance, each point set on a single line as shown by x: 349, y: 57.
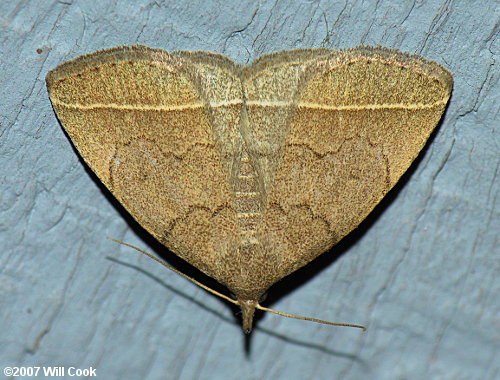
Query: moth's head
x: 247, y: 309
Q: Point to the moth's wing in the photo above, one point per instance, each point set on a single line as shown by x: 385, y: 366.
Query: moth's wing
x: 140, y: 119
x: 354, y: 122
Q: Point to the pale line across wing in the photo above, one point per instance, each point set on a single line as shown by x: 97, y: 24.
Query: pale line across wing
x: 197, y: 105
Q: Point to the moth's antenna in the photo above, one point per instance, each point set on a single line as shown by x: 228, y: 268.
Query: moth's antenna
x: 308, y: 318
x: 178, y: 272
x: 230, y: 299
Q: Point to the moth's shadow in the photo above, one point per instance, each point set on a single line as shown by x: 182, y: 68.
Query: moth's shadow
x: 289, y: 283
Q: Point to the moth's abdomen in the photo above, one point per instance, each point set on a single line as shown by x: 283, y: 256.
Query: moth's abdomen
x: 248, y: 203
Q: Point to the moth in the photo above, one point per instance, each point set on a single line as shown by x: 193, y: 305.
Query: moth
x: 249, y: 172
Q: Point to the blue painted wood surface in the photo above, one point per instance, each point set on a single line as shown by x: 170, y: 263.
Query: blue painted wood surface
x: 422, y: 273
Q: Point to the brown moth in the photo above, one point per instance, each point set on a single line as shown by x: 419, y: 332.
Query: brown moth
x: 249, y: 172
